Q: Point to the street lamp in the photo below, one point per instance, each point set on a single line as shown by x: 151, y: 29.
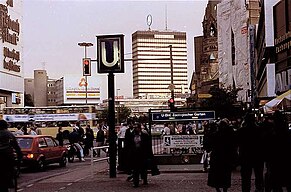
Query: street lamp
x: 117, y: 112
x: 85, y: 45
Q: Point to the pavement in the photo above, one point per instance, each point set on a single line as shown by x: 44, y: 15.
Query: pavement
x: 173, y: 178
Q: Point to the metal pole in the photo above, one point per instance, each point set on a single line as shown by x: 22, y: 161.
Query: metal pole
x: 117, y: 110
x: 86, y: 78
x: 172, y: 71
x: 111, y: 124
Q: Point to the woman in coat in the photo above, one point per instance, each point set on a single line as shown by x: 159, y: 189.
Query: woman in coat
x: 223, y: 151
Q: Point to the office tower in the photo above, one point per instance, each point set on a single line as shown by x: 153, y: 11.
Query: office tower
x: 152, y: 54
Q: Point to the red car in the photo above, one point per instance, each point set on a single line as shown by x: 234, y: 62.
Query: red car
x: 41, y: 150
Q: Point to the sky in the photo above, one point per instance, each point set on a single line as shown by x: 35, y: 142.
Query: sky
x: 52, y: 30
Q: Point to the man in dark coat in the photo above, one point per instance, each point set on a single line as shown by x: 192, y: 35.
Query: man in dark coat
x: 139, y: 154
x: 223, y: 151
x: 251, y: 153
x: 278, y: 159
x: 8, y: 147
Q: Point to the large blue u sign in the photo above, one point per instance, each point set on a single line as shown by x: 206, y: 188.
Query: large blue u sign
x: 110, y: 54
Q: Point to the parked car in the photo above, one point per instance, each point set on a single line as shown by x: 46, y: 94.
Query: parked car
x: 41, y: 150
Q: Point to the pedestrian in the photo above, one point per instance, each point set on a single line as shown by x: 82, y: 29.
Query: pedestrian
x: 60, y: 136
x: 166, y: 130
x: 223, y: 151
x: 128, y: 147
x: 80, y: 130
x: 88, y: 141
x: 140, y: 153
x: 184, y: 130
x: 251, y: 153
x: 279, y: 155
x: 24, y: 129
x: 32, y: 131
x: 100, y: 138
x: 8, y: 145
x: 75, y: 139
x: 121, y: 151
x: 19, y: 131
x: 209, y: 131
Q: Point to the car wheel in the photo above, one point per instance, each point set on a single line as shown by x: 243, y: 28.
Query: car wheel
x: 41, y: 164
x: 63, y: 161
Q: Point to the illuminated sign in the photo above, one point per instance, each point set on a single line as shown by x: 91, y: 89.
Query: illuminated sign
x: 183, y: 116
x: 110, y: 53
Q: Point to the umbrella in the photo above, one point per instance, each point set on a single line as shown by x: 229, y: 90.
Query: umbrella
x: 280, y: 102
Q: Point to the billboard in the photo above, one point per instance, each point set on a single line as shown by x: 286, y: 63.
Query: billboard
x: 75, y: 89
x: 11, y: 64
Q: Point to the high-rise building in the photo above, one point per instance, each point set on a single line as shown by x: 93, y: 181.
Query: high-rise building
x: 152, y: 54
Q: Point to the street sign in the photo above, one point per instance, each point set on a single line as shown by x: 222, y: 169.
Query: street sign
x: 183, y: 116
x: 110, y: 54
x: 204, y: 95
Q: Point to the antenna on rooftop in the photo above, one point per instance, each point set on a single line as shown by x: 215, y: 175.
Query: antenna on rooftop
x: 166, y: 17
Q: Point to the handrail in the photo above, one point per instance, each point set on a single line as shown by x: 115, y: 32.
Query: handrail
x: 99, y: 159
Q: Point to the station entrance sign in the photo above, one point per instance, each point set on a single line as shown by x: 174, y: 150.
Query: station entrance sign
x: 183, y: 116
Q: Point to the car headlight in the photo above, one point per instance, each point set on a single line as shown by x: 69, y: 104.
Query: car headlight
x: 29, y: 156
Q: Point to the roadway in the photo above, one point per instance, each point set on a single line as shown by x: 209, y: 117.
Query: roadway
x: 77, y: 177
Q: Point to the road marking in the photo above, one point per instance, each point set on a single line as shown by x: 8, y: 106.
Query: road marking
x: 30, y: 185
x: 62, y: 188
x: 69, y: 184
x: 19, y: 190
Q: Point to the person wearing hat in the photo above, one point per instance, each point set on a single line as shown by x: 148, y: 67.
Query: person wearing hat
x: 8, y: 145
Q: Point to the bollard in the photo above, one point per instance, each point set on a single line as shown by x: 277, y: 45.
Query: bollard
x: 91, y: 152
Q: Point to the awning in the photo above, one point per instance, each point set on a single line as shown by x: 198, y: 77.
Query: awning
x: 280, y: 102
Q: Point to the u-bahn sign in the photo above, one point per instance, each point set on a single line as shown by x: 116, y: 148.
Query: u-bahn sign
x: 183, y: 116
x: 110, y: 54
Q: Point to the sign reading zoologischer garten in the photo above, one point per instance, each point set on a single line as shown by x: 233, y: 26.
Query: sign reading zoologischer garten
x: 183, y: 116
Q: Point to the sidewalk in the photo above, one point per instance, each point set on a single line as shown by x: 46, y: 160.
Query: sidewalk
x: 172, y: 178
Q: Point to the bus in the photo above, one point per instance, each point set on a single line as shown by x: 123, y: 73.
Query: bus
x: 50, y: 117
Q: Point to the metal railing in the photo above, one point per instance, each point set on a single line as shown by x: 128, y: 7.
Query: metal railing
x: 98, y: 159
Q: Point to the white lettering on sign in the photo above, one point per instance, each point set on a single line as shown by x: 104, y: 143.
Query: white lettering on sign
x: 115, y: 54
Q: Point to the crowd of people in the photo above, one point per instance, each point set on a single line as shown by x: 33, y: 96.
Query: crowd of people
x: 261, y: 146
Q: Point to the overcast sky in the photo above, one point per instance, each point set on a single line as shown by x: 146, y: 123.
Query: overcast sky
x: 52, y: 30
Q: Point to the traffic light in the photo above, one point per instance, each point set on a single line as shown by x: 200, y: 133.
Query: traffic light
x: 171, y: 104
x: 86, y: 67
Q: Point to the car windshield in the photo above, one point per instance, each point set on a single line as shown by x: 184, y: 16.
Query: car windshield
x: 24, y: 143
